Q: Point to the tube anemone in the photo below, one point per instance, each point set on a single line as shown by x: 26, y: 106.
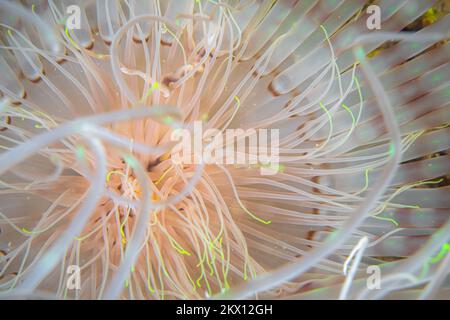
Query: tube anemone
x: 88, y: 180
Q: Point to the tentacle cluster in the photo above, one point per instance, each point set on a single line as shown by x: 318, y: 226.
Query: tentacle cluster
x: 87, y: 177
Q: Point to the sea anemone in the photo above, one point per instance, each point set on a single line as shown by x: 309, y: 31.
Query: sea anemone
x: 92, y: 207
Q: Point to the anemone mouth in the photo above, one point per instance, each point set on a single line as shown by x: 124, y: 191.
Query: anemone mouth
x: 88, y: 177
